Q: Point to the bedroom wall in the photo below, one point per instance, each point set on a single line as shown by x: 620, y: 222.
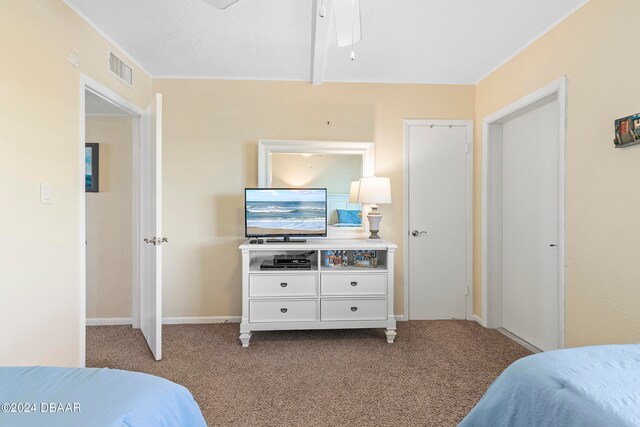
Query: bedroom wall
x: 211, y: 129
x: 333, y: 171
x: 594, y: 47
x: 40, y: 142
x: 110, y: 221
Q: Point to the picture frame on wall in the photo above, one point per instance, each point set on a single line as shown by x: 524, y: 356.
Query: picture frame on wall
x: 627, y: 130
x: 91, y: 167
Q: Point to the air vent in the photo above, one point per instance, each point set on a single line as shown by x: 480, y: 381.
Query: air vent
x: 121, y: 70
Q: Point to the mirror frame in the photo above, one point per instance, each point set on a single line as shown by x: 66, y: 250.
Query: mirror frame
x: 366, y: 149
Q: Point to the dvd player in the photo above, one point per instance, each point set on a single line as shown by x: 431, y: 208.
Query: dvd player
x: 270, y: 265
x: 302, y: 259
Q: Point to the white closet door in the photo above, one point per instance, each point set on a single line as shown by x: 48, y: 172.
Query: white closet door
x: 438, y: 218
x: 530, y: 226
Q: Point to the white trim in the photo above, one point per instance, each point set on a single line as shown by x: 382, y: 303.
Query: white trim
x: 532, y: 41
x: 559, y: 87
x: 200, y: 320
x: 108, y: 321
x: 406, y: 193
x: 240, y: 78
x: 531, y: 348
x: 108, y: 115
x: 478, y: 319
x: 106, y: 37
x: 90, y: 85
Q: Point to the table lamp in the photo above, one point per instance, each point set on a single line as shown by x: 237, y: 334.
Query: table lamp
x: 374, y: 190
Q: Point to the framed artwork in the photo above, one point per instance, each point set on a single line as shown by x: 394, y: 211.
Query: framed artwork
x: 627, y: 131
x: 91, y: 163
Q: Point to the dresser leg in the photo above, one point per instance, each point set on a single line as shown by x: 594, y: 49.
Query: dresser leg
x: 244, y: 338
x: 391, y: 335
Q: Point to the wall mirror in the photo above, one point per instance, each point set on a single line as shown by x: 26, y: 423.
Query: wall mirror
x: 327, y: 164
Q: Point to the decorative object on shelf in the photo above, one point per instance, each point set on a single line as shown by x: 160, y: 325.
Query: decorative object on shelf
x: 365, y: 259
x: 91, y: 167
x: 374, y: 190
x: 336, y: 258
x: 627, y: 131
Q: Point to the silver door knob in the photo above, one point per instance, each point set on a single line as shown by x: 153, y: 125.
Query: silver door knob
x: 156, y: 241
x: 416, y: 233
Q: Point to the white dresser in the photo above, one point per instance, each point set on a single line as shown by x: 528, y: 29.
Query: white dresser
x: 324, y: 297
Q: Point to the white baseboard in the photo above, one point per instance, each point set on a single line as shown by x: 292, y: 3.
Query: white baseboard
x: 400, y: 318
x: 110, y: 321
x: 479, y: 320
x: 200, y: 320
x: 106, y: 321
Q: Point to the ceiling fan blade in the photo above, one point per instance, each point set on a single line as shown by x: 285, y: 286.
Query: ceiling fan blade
x: 220, y: 4
x: 346, y: 14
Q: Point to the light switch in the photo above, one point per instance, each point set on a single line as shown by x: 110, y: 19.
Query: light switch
x: 46, y: 193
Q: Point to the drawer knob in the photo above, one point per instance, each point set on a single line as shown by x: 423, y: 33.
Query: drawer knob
x: 283, y: 284
x: 283, y: 310
x: 354, y: 283
x: 354, y: 308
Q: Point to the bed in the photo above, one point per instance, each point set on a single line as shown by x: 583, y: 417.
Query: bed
x: 44, y: 396
x: 587, y: 386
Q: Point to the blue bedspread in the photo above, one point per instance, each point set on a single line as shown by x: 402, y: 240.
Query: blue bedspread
x: 587, y: 386
x: 93, y: 398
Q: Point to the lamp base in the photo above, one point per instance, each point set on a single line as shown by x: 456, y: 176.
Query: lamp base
x: 374, y: 224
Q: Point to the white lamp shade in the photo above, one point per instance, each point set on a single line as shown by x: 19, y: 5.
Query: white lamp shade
x: 353, y: 191
x: 374, y: 190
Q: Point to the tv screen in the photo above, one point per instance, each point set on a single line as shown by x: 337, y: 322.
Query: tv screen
x: 285, y: 212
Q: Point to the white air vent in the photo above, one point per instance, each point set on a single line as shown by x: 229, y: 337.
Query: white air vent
x: 121, y: 70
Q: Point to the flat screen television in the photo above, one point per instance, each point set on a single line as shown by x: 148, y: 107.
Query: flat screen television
x: 285, y: 212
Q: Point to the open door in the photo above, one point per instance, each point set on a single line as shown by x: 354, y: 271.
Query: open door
x: 151, y: 226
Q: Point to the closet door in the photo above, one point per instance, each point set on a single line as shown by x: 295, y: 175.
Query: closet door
x: 438, y: 221
x: 530, y: 226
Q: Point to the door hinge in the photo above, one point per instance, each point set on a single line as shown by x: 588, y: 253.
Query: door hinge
x: 466, y: 291
x: 466, y: 147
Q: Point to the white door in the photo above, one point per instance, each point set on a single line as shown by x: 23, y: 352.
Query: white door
x: 151, y: 286
x: 438, y: 222
x: 530, y: 226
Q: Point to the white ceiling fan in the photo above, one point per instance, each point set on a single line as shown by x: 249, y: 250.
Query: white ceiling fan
x: 346, y: 16
x: 220, y: 4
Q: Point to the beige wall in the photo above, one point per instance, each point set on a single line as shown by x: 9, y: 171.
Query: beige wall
x: 211, y: 130
x: 40, y: 142
x: 110, y: 221
x: 594, y: 48
x: 333, y: 171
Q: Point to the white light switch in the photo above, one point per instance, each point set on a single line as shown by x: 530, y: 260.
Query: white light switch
x: 46, y: 193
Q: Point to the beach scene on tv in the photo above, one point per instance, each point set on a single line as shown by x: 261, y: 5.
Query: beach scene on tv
x: 282, y: 212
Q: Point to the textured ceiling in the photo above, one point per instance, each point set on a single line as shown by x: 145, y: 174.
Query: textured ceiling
x: 403, y: 41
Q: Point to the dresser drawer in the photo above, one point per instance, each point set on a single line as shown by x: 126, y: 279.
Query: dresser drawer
x: 353, y: 309
x: 285, y: 285
x: 353, y: 284
x: 283, y: 311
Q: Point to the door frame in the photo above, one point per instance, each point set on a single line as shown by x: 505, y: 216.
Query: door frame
x: 492, y: 202
x: 406, y: 196
x: 89, y: 84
